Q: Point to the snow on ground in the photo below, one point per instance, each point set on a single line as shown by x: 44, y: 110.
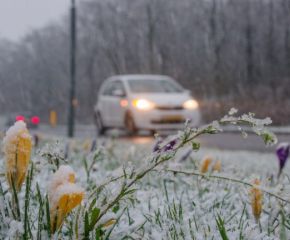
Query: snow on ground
x: 166, y: 205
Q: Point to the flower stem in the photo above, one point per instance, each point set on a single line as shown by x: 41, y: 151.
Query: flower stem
x: 225, y: 178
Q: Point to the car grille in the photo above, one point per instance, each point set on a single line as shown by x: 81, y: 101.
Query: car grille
x: 167, y: 121
x: 163, y: 108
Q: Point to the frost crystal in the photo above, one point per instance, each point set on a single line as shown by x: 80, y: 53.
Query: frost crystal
x: 15, y: 227
x: 233, y: 111
x: 216, y: 125
x: 245, y: 135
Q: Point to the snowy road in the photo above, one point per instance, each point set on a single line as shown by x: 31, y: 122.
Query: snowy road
x: 223, y: 141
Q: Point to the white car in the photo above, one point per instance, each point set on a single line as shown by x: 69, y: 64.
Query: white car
x: 149, y: 102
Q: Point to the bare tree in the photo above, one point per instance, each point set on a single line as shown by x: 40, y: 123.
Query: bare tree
x: 234, y: 52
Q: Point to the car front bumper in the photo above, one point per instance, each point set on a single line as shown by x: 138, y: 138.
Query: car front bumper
x: 156, y: 119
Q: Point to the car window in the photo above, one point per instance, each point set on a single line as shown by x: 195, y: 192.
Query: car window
x: 108, y: 89
x: 112, y: 86
x: 154, y: 86
x: 118, y: 85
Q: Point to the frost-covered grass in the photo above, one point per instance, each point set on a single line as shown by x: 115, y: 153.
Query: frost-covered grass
x: 124, y: 200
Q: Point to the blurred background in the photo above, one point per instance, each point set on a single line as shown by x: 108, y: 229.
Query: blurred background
x: 229, y: 53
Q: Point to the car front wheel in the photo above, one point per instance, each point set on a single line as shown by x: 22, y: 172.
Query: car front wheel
x: 99, y: 124
x: 130, y: 125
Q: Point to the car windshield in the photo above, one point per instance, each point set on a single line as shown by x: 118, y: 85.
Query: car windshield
x: 154, y: 86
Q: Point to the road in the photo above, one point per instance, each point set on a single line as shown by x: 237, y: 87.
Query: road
x: 224, y: 141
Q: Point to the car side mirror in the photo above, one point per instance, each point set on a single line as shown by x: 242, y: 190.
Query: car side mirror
x: 118, y: 93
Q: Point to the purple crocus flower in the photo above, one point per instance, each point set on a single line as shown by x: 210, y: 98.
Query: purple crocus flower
x: 93, y: 146
x: 282, y: 153
x: 186, y: 155
x: 104, y: 143
x: 36, y: 140
x: 170, y: 145
x: 66, y: 151
x: 156, y: 145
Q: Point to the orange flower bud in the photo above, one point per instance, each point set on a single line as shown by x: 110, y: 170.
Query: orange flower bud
x: 257, y: 196
x: 73, y: 144
x: 217, y: 166
x: 205, y: 164
x: 109, y: 223
x: 86, y: 145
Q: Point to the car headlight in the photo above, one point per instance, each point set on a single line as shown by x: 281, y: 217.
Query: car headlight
x: 190, y: 104
x: 142, y: 104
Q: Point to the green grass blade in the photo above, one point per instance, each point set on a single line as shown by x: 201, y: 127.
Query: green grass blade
x: 26, y: 207
x: 15, y: 202
x: 40, y: 213
x: 48, y: 227
x: 87, y: 227
x: 221, y: 228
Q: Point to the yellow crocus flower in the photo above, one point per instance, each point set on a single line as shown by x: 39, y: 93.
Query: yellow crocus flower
x: 109, y: 223
x: 217, y: 166
x: 65, y: 203
x: 205, y: 164
x: 64, y: 195
x: 17, y: 148
x: 257, y: 196
x: 73, y: 144
x: 87, y: 145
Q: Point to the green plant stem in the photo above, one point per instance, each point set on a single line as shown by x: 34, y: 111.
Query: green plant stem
x: 224, y: 178
x: 137, y: 177
x: 189, y: 137
x: 104, y: 184
x: 204, y: 131
x: 15, y: 203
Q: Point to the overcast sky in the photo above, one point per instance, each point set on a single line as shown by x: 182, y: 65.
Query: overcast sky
x: 17, y: 17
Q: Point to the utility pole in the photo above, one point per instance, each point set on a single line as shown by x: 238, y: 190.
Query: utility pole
x: 72, y: 100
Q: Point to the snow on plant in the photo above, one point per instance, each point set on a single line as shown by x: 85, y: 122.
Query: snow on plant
x: 64, y: 195
x: 168, y: 203
x: 53, y: 154
x: 17, y: 147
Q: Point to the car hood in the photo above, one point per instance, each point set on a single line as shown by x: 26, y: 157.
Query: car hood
x: 164, y: 99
